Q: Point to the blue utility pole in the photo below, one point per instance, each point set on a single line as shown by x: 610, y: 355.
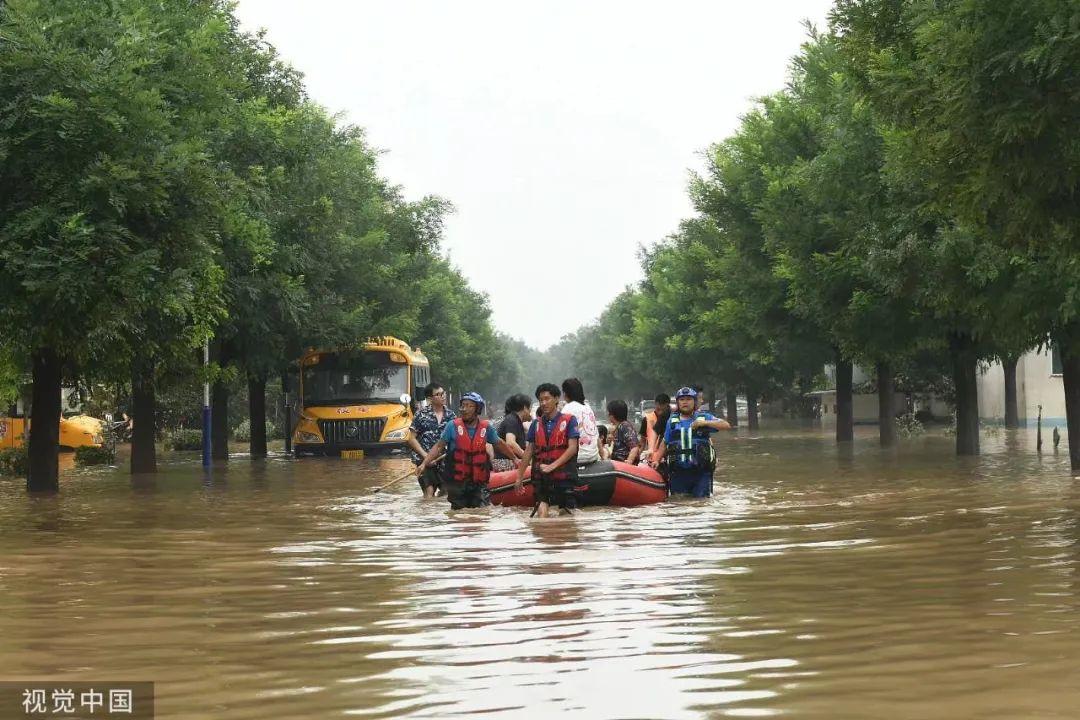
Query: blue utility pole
x: 206, y: 408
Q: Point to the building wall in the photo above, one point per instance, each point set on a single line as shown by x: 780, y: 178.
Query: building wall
x: 991, y: 382
x: 1041, y: 387
x: 864, y: 407
x: 858, y: 375
x: 1036, y: 384
x: 934, y: 405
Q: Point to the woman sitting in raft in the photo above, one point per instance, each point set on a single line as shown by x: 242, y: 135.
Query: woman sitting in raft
x: 589, y: 442
x: 512, y: 430
x: 626, y: 446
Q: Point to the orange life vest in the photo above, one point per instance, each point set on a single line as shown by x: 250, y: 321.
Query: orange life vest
x: 550, y: 449
x: 471, y: 461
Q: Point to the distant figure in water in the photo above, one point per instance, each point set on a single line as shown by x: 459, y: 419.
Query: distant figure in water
x: 1057, y: 438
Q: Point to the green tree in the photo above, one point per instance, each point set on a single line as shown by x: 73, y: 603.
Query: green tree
x: 977, y: 97
x: 11, y: 376
x: 105, y: 183
x: 770, y: 340
x: 830, y: 214
x: 604, y: 357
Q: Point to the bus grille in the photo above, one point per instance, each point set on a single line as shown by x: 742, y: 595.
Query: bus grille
x: 347, y: 433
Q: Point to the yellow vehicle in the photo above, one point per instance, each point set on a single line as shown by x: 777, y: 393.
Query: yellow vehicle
x: 75, y: 431
x: 358, y: 398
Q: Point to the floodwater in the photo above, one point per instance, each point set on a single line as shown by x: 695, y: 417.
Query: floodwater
x: 817, y: 583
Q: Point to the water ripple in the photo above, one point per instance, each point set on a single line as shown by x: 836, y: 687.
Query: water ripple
x: 818, y: 583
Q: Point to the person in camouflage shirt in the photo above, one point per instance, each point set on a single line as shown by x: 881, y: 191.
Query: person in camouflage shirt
x: 427, y: 427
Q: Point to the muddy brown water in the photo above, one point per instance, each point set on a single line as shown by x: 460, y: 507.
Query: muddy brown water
x: 817, y: 583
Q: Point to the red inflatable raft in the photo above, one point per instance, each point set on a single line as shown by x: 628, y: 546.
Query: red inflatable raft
x: 606, y: 483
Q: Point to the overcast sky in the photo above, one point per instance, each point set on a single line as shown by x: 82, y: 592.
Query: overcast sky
x: 563, y: 132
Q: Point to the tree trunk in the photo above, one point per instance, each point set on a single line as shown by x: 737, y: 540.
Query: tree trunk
x: 1012, y: 413
x: 257, y: 415
x: 965, y: 366
x: 886, y: 405
x: 732, y: 409
x: 219, y: 421
x: 845, y: 410
x: 143, y: 411
x: 44, y: 445
x: 751, y: 410
x: 286, y: 411
x: 1070, y: 375
x: 712, y: 401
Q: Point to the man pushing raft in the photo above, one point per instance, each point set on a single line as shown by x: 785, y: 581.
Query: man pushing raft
x: 467, y: 467
x: 552, y: 452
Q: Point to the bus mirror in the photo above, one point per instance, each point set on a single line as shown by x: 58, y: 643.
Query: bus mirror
x: 405, y: 399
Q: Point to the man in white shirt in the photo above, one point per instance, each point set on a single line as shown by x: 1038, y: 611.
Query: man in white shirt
x: 588, y: 443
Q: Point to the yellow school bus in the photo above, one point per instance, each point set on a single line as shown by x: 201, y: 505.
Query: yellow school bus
x: 358, y: 398
x: 75, y: 431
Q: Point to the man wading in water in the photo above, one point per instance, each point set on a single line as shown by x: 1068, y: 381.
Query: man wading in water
x: 426, y: 428
x: 686, y: 443
x: 468, y: 466
x: 552, y: 451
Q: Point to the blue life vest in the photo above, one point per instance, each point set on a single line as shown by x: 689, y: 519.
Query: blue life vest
x: 691, y: 449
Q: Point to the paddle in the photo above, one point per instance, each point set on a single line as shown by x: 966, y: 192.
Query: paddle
x: 411, y: 473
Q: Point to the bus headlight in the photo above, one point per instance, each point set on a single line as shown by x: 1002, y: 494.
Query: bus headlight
x: 306, y: 437
x: 397, y: 434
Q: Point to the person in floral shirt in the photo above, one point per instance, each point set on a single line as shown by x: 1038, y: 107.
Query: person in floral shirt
x: 427, y: 426
x: 626, y: 447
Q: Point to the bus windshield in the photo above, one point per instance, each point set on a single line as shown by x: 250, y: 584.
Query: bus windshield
x: 355, y: 378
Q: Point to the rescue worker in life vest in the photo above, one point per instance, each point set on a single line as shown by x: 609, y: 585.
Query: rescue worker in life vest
x: 552, y: 453
x: 687, y: 444
x: 467, y: 464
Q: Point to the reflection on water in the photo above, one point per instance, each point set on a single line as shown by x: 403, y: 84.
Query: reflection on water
x: 816, y: 583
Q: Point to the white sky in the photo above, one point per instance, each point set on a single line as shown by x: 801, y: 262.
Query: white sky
x: 563, y: 132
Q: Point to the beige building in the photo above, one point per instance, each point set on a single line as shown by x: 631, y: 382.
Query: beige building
x: 864, y: 408
x: 1038, y: 382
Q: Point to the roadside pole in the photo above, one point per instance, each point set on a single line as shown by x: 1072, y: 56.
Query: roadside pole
x: 206, y: 408
x: 287, y: 406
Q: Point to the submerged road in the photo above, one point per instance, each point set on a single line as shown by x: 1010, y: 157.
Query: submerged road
x: 815, y: 584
